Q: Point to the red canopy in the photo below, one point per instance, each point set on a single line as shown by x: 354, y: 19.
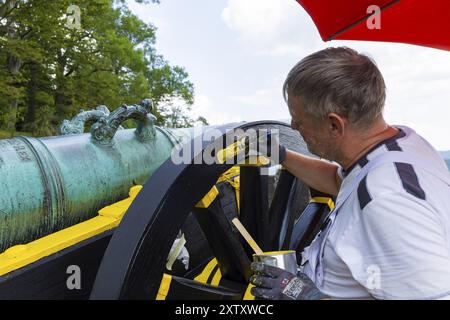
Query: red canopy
x: 420, y: 22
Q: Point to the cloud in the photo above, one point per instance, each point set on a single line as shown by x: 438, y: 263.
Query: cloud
x: 279, y: 50
x: 271, y: 27
x: 418, y: 82
x: 256, y: 98
x: 147, y: 13
x: 205, y: 107
x: 262, y: 39
x: 262, y: 104
x: 255, y: 19
x: 417, y: 78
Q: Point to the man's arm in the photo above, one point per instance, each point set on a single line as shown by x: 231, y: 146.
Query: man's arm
x: 318, y: 174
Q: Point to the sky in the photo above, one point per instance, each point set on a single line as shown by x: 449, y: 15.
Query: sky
x: 239, y: 52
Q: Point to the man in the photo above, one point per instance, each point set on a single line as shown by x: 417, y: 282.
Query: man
x: 390, y: 237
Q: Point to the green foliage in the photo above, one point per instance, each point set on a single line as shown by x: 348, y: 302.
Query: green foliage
x: 49, y: 70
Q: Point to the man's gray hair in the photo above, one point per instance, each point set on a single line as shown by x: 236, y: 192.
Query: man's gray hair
x: 338, y: 80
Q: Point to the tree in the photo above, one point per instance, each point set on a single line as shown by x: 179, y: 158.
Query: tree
x: 50, y: 69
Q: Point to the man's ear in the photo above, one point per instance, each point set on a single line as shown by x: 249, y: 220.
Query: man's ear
x: 337, y: 125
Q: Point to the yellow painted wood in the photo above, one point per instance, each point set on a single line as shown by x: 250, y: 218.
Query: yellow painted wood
x: 326, y: 200
x: 109, y: 217
x: 208, y: 198
x: 248, y: 295
x: 164, y: 287
x: 217, y: 277
x: 204, y: 276
x: 232, y: 177
x: 206, y: 273
x: 231, y: 151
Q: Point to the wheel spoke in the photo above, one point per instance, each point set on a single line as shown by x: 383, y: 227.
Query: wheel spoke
x: 225, y: 244
x: 309, y: 223
x: 279, y: 212
x: 253, y: 211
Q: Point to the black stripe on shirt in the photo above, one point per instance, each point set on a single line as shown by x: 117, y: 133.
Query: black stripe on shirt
x: 409, y: 180
x: 363, y: 194
x: 391, y: 144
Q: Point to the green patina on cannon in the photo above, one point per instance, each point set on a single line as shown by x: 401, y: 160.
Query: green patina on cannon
x: 47, y: 184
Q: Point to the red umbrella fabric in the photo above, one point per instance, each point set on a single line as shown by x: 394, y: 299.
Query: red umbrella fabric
x: 419, y: 22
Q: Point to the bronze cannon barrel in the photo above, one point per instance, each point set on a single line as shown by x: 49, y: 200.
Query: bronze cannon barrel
x: 47, y: 184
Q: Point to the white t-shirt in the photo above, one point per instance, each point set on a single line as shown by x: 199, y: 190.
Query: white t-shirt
x: 391, y: 239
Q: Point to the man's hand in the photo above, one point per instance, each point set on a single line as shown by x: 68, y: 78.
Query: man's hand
x: 272, y: 283
x: 267, y: 145
x: 254, y: 149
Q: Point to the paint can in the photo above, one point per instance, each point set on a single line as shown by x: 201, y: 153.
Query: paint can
x: 286, y: 260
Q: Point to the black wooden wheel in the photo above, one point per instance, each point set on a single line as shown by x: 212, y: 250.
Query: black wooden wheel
x: 134, y: 262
